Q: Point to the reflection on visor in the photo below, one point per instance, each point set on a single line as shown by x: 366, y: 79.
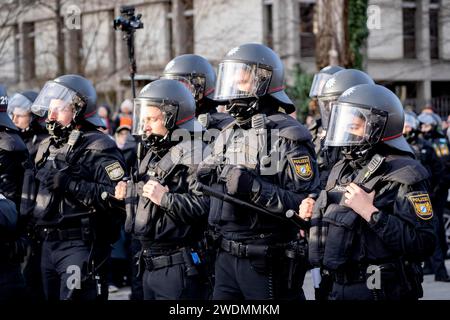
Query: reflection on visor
x: 19, y: 101
x: 240, y: 80
x: 195, y: 83
x: 52, y: 91
x: 318, y: 83
x: 411, y: 121
x: 325, y: 110
x: 144, y: 114
x: 354, y: 125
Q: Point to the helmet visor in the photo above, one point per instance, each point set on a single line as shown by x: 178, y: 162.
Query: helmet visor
x: 195, y: 83
x: 325, y: 109
x: 237, y: 80
x: 144, y: 113
x: 53, y: 95
x: 354, y: 125
x: 318, y: 83
x: 19, y: 101
x: 411, y: 121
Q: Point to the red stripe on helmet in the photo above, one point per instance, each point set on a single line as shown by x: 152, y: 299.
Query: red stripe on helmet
x: 391, y: 137
x: 276, y: 89
x: 184, y: 120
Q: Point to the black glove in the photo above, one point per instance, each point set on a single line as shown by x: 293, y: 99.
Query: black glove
x: 239, y: 182
x: 58, y: 180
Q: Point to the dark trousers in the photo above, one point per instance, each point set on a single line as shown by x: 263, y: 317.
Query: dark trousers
x: 253, y: 279
x: 172, y: 283
x: 12, y: 285
x: 32, y: 272
x: 137, y: 292
x: 65, y: 262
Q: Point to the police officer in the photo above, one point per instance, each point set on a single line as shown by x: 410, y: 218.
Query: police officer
x: 317, y: 85
x: 265, y: 158
x: 13, y: 154
x: 197, y: 74
x: 75, y: 165
x: 427, y: 156
x: 372, y: 225
x: 167, y: 218
x: 32, y: 130
x: 11, y: 281
x: 333, y: 88
x: 431, y: 132
x: 32, y: 127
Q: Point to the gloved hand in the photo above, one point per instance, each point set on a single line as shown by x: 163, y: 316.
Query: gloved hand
x: 58, y: 180
x: 239, y: 182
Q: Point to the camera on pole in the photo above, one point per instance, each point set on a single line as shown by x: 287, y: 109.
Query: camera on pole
x: 128, y: 23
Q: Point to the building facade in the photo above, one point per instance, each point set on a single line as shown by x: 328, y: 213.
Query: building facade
x: 408, y: 48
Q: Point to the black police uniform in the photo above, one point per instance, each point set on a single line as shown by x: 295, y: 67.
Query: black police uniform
x: 32, y: 137
x: 170, y: 233
x: 326, y: 156
x: 251, y: 263
x: 12, y: 286
x: 74, y: 222
x: 13, y: 155
x: 441, y: 146
x: 426, y: 154
x: 395, y: 240
x: 211, y: 119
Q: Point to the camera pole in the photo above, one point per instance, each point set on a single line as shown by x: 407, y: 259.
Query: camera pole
x: 129, y: 38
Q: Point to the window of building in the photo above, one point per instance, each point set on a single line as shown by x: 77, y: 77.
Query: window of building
x: 268, y: 23
x: 307, y: 37
x: 409, y: 29
x: 434, y: 29
x: 29, y: 51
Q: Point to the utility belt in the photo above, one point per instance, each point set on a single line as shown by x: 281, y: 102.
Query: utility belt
x: 59, y: 233
x: 248, y: 250
x: 183, y: 256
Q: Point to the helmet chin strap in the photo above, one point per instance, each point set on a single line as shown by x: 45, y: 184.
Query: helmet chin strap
x: 243, y: 109
x: 156, y: 142
x: 58, y: 131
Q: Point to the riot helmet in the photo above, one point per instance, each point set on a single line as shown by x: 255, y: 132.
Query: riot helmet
x: 320, y: 78
x: 246, y: 74
x: 364, y: 116
x: 335, y: 86
x: 68, y: 91
x: 176, y: 103
x: 5, y: 120
x: 195, y: 72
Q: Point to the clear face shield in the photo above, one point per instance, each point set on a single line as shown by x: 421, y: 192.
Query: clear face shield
x: 353, y: 125
x: 194, y: 82
x: 318, y: 83
x: 411, y: 121
x: 146, y: 112
x: 18, y: 103
x: 54, y: 96
x: 237, y: 80
x: 325, y: 109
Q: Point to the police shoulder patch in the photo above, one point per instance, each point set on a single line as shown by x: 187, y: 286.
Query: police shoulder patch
x: 303, y: 168
x: 115, y: 171
x: 422, y: 205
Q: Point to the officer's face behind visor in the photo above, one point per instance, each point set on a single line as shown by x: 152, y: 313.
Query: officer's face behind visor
x: 236, y: 80
x: 19, y: 110
x: 318, y: 82
x: 352, y: 125
x: 148, y: 119
x: 54, y: 98
x: 195, y: 83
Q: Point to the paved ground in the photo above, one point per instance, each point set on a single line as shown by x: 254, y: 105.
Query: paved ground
x: 432, y: 290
